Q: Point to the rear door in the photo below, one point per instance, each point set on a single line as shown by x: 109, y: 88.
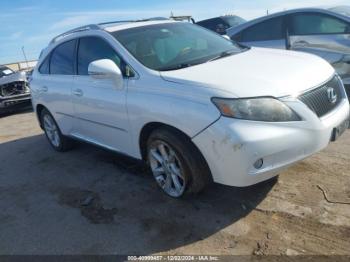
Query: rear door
x: 100, y: 106
x: 321, y: 34
x: 52, y: 87
x: 270, y: 33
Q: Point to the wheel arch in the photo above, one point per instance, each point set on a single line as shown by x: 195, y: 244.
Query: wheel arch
x: 147, y: 130
x: 38, y: 109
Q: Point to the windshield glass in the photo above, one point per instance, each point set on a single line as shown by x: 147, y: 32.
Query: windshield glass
x: 172, y: 46
x: 234, y: 20
x: 5, y: 71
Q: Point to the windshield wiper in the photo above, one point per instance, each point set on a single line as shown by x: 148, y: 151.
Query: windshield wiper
x: 176, y: 67
x: 222, y: 55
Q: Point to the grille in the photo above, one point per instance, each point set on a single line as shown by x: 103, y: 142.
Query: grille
x: 319, y: 100
x: 15, y: 88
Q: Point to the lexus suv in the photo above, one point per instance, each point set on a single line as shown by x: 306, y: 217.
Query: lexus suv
x: 192, y: 104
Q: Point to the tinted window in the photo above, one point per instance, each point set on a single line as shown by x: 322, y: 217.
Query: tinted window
x: 62, y: 59
x: 309, y: 24
x: 271, y: 29
x: 94, y: 48
x: 45, y: 66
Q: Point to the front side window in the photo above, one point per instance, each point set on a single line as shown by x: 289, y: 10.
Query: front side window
x: 311, y: 24
x: 271, y: 29
x: 92, y: 49
x: 62, y: 59
x: 172, y: 46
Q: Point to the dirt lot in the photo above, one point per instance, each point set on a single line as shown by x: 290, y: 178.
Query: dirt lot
x: 91, y: 201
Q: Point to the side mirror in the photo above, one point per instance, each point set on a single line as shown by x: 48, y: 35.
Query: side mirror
x: 106, y: 68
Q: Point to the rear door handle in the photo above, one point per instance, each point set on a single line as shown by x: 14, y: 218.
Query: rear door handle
x: 78, y: 92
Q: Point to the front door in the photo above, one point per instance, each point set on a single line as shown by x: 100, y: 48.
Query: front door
x: 100, y: 106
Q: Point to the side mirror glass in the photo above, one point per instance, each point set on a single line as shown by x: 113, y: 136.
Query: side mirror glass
x: 104, y: 69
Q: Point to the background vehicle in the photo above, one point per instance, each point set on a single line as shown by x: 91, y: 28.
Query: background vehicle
x: 166, y: 92
x: 317, y: 31
x: 343, y: 10
x: 14, y: 90
x: 222, y: 23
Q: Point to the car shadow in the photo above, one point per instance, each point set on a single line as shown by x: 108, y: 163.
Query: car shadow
x: 114, y: 195
x: 16, y: 110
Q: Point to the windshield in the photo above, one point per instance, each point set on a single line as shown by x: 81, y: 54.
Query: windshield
x: 5, y: 71
x: 172, y: 46
x: 234, y: 20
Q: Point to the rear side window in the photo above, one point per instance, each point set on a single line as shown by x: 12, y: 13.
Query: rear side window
x: 45, y: 66
x: 271, y: 29
x: 62, y: 59
x: 311, y: 24
x: 94, y: 48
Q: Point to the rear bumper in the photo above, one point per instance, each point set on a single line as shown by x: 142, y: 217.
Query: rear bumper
x: 231, y: 146
x: 15, y: 101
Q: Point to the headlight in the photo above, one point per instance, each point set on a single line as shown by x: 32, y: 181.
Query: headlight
x: 266, y: 109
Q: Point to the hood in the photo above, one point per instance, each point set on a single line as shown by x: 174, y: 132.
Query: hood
x: 19, y: 76
x: 257, y: 72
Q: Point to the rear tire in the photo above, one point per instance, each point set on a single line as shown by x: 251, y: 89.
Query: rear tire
x: 53, y: 133
x: 177, y: 165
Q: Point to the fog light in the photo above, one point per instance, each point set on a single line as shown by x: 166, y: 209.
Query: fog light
x: 259, y: 163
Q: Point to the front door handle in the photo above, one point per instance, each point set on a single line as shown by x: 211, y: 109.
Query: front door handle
x: 78, y: 92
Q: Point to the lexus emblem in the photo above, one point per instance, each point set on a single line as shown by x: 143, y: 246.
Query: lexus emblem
x: 332, y: 96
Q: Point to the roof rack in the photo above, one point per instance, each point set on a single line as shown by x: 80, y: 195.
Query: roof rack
x: 99, y: 26
x: 134, y: 21
x: 75, y: 30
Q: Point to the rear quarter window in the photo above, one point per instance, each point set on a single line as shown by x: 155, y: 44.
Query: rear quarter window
x: 45, y: 66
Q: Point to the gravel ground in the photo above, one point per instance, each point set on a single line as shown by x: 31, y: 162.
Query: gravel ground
x: 91, y: 201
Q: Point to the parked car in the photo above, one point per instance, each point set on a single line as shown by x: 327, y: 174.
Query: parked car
x: 14, y: 90
x: 194, y: 105
x: 343, y: 10
x: 316, y: 31
x: 222, y: 23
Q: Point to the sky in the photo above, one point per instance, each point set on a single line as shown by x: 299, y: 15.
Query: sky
x: 31, y: 24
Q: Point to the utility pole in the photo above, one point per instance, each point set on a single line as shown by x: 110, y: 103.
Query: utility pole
x: 25, y: 57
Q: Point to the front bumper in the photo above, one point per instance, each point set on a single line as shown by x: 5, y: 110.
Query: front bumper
x: 14, y: 101
x: 231, y: 146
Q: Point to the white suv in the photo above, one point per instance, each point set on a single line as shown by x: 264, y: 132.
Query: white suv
x: 194, y: 105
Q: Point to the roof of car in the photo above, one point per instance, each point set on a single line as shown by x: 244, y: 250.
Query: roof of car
x: 114, y: 26
x: 234, y: 30
x: 127, y: 25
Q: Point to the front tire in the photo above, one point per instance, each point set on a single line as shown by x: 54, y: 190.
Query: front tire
x: 177, y: 165
x: 53, y: 133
